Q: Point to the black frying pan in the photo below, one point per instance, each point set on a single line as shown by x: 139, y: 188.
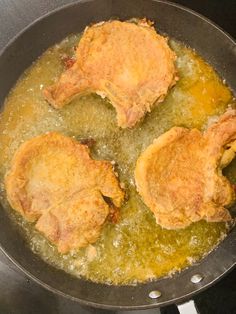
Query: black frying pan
x: 179, y: 23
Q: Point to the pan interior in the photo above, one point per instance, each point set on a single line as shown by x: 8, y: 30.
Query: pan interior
x: 135, y: 249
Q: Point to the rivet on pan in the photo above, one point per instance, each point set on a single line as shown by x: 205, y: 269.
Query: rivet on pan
x: 155, y: 294
x: 196, y: 278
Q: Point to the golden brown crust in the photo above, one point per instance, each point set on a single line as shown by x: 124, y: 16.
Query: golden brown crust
x: 85, y: 215
x: 52, y: 176
x: 179, y: 176
x: 128, y: 63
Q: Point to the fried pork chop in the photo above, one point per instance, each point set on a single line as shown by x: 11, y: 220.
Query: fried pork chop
x: 180, y: 175
x: 128, y: 63
x: 54, y: 182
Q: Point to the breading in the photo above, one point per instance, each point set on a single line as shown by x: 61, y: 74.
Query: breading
x: 54, y: 182
x: 128, y: 63
x: 180, y: 175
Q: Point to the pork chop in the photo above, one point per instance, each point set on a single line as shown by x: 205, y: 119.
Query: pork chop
x: 180, y: 175
x: 54, y: 182
x: 129, y: 63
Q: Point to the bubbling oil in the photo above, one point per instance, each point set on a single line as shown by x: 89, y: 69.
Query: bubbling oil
x: 135, y: 249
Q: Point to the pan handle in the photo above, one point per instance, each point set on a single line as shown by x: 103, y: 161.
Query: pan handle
x: 187, y: 308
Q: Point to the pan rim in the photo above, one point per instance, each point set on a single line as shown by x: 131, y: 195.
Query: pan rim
x: 121, y: 307
x: 47, y: 286
x: 65, y: 6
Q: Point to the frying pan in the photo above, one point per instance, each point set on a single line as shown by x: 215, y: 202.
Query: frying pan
x: 179, y: 23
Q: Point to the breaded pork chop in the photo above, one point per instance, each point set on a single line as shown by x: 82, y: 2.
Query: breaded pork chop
x: 180, y: 176
x: 128, y: 63
x: 54, y: 182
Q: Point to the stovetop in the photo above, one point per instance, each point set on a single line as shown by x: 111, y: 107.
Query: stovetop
x: 19, y: 294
